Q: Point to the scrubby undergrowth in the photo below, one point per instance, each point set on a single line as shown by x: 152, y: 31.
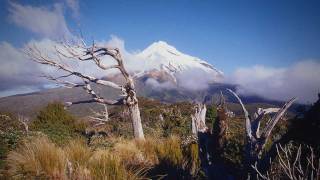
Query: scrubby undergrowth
x: 60, y: 146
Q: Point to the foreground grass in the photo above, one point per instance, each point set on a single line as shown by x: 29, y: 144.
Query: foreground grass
x: 39, y: 158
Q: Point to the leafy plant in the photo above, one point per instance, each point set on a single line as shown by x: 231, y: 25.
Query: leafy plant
x: 58, y: 124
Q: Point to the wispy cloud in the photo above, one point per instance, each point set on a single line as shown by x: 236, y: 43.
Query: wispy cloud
x: 74, y: 5
x: 19, y: 74
x: 15, y: 72
x: 298, y: 80
x: 43, y: 21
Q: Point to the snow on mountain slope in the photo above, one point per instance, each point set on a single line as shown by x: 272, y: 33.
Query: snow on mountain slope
x: 162, y: 61
x: 162, y: 65
x: 160, y: 53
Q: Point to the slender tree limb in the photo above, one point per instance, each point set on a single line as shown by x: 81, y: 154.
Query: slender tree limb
x: 270, y: 125
x: 37, y: 56
x: 258, y: 116
x: 100, y: 117
x: 246, y: 115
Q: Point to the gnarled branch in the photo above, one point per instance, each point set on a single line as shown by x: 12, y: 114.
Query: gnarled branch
x: 93, y: 53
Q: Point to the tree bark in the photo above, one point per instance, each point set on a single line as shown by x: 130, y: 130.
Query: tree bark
x: 136, y: 121
x: 220, y: 129
x: 199, y: 119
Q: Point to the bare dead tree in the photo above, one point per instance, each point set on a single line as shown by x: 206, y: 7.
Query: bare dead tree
x: 289, y: 165
x: 257, y: 139
x: 100, y: 118
x: 25, y: 122
x: 220, y: 126
x: 94, y: 54
x: 22, y: 119
x: 199, y: 119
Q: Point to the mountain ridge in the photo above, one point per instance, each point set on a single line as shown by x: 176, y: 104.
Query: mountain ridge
x: 169, y: 76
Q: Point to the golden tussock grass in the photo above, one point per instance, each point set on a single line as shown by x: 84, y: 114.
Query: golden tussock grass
x: 37, y: 158
x: 126, y: 159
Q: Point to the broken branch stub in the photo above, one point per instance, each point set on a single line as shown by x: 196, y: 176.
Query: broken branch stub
x: 255, y: 140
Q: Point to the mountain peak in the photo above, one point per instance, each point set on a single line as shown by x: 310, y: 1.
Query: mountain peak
x: 160, y: 54
x: 160, y: 47
x: 161, y: 44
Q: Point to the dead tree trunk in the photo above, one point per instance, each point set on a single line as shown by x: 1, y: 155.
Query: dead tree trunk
x: 201, y: 133
x: 256, y: 140
x: 199, y: 119
x: 25, y: 121
x: 220, y: 128
x: 136, y: 121
x: 94, y: 53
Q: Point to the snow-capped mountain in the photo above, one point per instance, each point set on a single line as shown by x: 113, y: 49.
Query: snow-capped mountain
x: 160, y: 53
x: 161, y: 61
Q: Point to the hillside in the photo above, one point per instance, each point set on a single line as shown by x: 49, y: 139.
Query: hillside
x: 29, y: 104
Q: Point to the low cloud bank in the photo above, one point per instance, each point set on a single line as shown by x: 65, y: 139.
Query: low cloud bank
x: 301, y: 80
x: 195, y: 79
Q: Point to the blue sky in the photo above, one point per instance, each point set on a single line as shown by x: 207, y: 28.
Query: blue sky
x: 228, y: 34
x: 251, y: 41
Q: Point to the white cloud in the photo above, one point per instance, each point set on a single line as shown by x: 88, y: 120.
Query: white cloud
x: 300, y: 80
x: 194, y: 79
x: 159, y: 85
x: 19, y: 74
x: 16, y: 72
x: 75, y: 7
x: 43, y: 21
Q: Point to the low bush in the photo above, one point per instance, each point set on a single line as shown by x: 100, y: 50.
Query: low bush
x: 58, y: 124
x: 11, y: 131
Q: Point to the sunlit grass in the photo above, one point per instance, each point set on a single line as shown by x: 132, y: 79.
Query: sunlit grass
x: 37, y: 158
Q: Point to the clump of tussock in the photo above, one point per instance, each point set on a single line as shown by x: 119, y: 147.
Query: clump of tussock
x: 104, y: 165
x: 78, y: 155
x: 170, y: 151
x: 130, y: 154
x: 156, y: 157
x: 37, y: 158
x: 192, y: 160
x: 148, y: 149
x: 78, y: 152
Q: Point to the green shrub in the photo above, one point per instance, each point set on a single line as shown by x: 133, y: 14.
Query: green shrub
x: 211, y: 115
x: 11, y: 132
x: 175, y: 123
x: 58, y: 124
